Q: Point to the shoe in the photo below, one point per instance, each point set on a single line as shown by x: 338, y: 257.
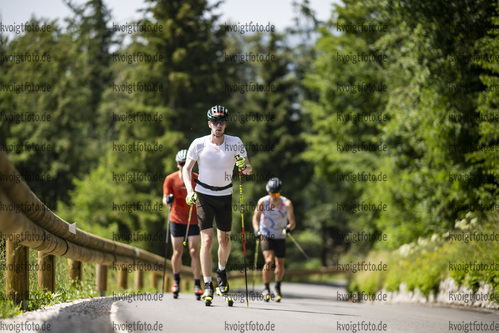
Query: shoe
x: 266, y: 294
x: 278, y: 293
x: 223, y: 284
x: 175, y: 288
x: 198, y: 292
x: 208, y: 290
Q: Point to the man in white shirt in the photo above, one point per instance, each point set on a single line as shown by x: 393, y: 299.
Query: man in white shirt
x: 215, y: 154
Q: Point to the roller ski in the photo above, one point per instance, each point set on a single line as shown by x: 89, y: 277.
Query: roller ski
x: 223, y: 286
x: 278, y: 292
x: 226, y: 296
x: 266, y: 294
x: 175, y: 288
x: 208, y: 293
x: 198, y: 292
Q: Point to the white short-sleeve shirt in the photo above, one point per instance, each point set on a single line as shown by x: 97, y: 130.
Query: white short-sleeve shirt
x: 216, y: 163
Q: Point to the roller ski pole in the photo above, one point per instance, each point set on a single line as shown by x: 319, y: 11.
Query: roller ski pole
x: 188, y: 223
x: 244, y: 239
x: 255, y: 262
x: 298, y: 246
x: 166, y: 250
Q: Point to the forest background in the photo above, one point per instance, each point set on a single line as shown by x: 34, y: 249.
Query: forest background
x: 381, y: 124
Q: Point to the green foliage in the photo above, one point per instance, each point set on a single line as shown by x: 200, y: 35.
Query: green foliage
x: 425, y: 263
x: 428, y: 74
x: 65, y: 289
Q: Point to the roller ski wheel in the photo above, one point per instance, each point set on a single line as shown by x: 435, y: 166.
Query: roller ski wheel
x: 208, y: 293
x: 226, y: 296
x: 175, y: 289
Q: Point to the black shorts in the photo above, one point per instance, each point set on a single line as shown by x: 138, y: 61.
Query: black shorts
x: 178, y: 229
x: 220, y: 207
x: 276, y: 245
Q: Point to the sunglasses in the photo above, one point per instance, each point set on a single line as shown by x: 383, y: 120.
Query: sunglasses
x: 218, y: 122
x: 181, y: 163
x: 275, y: 194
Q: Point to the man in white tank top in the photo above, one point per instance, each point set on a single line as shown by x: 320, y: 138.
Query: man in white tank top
x: 270, y: 223
x: 216, y: 155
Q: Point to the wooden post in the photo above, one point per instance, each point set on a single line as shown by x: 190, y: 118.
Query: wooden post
x: 122, y: 278
x: 17, y: 277
x: 139, y: 279
x: 74, y: 271
x: 168, y: 283
x: 46, y: 271
x: 187, y: 285
x: 154, y: 279
x: 101, y: 279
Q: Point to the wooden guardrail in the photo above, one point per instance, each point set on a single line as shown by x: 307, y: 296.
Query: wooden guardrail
x: 26, y: 222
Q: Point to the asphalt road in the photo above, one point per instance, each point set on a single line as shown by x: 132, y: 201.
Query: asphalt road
x: 304, y: 308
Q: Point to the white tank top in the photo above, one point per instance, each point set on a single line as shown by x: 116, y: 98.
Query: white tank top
x: 273, y: 219
x: 216, y: 163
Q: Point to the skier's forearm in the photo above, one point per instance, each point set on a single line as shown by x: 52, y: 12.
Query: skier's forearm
x: 187, y: 174
x: 188, y: 181
x: 256, y: 224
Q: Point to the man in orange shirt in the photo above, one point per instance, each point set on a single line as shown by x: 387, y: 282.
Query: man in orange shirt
x: 174, y: 191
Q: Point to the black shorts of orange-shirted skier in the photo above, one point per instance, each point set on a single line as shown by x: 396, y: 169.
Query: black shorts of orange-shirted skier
x: 270, y: 223
x: 216, y: 155
x: 174, y: 192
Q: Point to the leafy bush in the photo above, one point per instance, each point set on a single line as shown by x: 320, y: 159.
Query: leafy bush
x: 461, y: 254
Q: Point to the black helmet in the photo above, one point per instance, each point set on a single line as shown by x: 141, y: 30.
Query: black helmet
x: 218, y: 112
x: 274, y: 185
